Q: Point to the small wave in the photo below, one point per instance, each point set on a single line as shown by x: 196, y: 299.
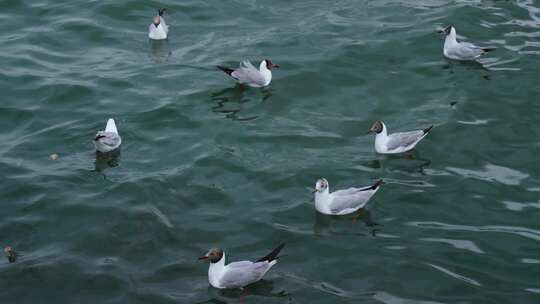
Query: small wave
x: 455, y: 275
x: 521, y: 231
x: 493, y: 173
x: 458, y: 244
x: 388, y: 298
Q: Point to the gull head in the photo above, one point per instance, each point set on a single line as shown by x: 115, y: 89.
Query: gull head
x: 157, y: 21
x: 321, y: 185
x: 10, y: 254
x: 213, y: 255
x: 270, y: 64
x: 8, y: 251
x: 377, y: 127
x: 446, y: 30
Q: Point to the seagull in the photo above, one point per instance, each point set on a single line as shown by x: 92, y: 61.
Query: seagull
x: 158, y: 29
x: 398, y: 142
x: 10, y: 254
x: 108, y: 140
x: 453, y: 49
x: 237, y: 274
x: 342, y: 202
x: 249, y: 75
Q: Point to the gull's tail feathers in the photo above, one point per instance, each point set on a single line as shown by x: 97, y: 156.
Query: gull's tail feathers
x: 272, y: 255
x: 111, y: 126
x: 225, y: 69
x: 426, y: 130
x: 375, y: 186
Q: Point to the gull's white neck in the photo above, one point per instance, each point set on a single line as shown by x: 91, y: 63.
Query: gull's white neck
x: 381, y: 139
x: 322, y: 200
x: 215, y: 271
x: 451, y: 39
x: 265, y: 72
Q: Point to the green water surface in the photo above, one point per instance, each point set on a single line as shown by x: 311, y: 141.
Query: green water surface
x: 205, y: 163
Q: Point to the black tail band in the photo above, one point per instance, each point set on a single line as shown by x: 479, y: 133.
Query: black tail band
x: 426, y: 130
x: 226, y: 70
x: 272, y: 255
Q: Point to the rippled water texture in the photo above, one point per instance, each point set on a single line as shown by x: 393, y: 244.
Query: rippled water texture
x: 205, y: 163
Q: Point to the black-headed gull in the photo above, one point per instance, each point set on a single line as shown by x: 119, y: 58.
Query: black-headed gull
x: 344, y: 201
x: 10, y: 254
x: 456, y: 50
x: 398, y: 142
x: 249, y: 75
x: 108, y: 140
x: 158, y: 29
x: 237, y: 274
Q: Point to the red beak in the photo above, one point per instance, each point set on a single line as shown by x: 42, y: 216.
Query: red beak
x: 204, y: 257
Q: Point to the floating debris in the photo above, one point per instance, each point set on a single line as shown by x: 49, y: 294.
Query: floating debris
x: 54, y: 156
x: 10, y: 254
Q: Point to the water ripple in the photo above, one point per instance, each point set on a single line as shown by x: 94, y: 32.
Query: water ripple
x: 493, y: 173
x: 458, y: 244
x: 521, y: 231
x: 388, y: 298
x: 455, y: 275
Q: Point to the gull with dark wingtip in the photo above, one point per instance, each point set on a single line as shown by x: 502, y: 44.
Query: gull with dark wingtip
x: 456, y: 50
x: 108, y: 140
x: 247, y: 74
x: 237, y: 274
x: 398, y: 142
x: 158, y: 29
x: 344, y: 201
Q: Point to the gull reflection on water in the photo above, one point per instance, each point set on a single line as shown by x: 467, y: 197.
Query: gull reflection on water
x: 232, y: 101
x: 409, y: 162
x: 451, y: 65
x: 160, y: 50
x: 323, y: 223
x: 107, y: 160
x: 263, y: 288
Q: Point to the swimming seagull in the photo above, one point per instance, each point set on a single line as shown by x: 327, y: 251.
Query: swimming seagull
x: 397, y: 142
x: 454, y: 49
x: 342, y: 202
x: 237, y: 274
x: 158, y: 29
x: 249, y: 75
x: 10, y: 254
x: 108, y: 140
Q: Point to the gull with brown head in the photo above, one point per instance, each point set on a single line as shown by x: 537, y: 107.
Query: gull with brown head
x: 248, y: 75
x: 398, y: 142
x: 237, y: 274
x: 158, y: 29
x: 457, y: 50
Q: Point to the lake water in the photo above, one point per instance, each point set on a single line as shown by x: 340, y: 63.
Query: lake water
x: 205, y: 163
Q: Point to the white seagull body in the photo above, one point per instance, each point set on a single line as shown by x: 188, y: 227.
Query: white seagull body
x: 342, y: 202
x: 398, y: 142
x: 108, y: 140
x: 247, y: 74
x: 453, y: 49
x: 158, y: 29
x: 237, y: 274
